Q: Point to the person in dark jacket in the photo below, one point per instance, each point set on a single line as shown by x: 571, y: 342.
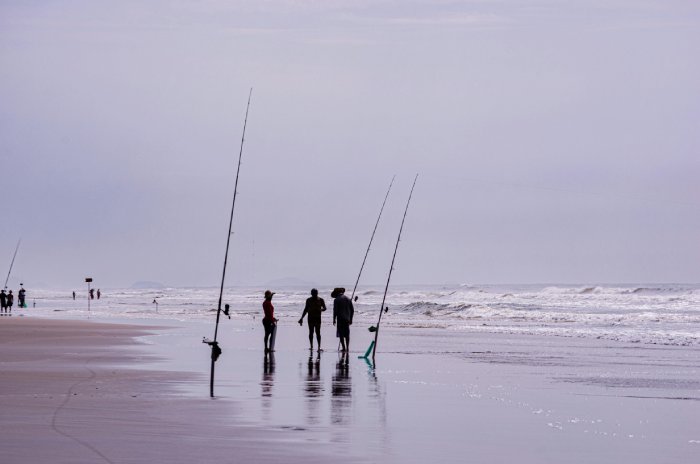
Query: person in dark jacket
x: 10, y: 301
x: 343, y: 312
x: 3, y: 300
x: 314, y: 307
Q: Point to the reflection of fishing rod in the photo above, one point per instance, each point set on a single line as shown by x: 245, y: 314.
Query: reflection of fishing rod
x: 13, y: 262
x: 352, y: 297
x: 373, y: 345
x: 215, y: 350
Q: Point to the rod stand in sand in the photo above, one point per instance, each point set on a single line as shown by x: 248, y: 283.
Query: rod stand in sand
x: 215, y: 353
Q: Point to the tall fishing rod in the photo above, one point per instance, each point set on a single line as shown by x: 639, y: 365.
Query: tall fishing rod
x: 373, y: 346
x: 12, y: 263
x: 352, y: 298
x: 215, y: 350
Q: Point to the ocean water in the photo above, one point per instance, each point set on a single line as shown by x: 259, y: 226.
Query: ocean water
x: 650, y: 314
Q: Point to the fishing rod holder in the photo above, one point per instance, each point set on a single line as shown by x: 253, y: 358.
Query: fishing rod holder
x: 215, y: 350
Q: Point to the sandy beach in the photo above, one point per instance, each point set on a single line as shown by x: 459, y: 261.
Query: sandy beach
x: 81, y: 391
x: 85, y: 392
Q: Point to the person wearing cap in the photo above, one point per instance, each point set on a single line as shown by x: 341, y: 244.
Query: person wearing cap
x: 269, y: 320
x: 343, y: 312
x: 314, y: 307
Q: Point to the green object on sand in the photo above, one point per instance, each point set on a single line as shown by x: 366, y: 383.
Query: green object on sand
x: 369, y: 350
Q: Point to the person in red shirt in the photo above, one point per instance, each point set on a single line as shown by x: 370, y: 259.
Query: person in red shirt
x: 269, y: 320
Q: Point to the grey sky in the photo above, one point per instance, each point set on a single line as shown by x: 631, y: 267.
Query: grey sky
x: 556, y: 141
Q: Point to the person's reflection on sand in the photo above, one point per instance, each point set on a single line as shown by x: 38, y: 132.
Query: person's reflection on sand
x: 313, y: 388
x: 268, y: 377
x: 341, y: 390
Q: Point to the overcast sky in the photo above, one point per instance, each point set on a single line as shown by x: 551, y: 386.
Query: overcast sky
x: 555, y: 141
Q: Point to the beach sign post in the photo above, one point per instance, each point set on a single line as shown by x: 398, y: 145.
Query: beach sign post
x: 88, y: 280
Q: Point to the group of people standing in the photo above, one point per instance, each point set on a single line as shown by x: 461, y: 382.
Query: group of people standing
x: 91, y: 294
x: 343, y: 312
x: 7, y: 300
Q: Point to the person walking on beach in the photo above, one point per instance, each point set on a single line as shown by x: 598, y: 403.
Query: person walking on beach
x: 343, y: 312
x: 10, y: 301
x: 3, y: 300
x: 92, y: 293
x: 314, y: 307
x: 99, y: 293
x: 269, y: 320
x: 74, y: 295
x: 20, y: 297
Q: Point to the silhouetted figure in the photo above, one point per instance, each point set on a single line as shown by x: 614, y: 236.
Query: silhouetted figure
x: 99, y: 293
x: 21, y: 296
x: 269, y: 320
x: 10, y: 301
x: 3, y: 300
x: 92, y: 293
x: 314, y: 307
x: 343, y: 312
x: 74, y: 295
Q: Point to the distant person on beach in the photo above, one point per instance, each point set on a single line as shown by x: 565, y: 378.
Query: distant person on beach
x: 92, y: 293
x: 74, y: 295
x: 3, y: 300
x: 269, y: 320
x: 99, y: 293
x: 343, y: 312
x: 10, y: 301
x: 21, y: 296
x: 314, y: 307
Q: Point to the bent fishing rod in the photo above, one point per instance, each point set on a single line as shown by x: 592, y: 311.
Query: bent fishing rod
x: 215, y: 350
x: 352, y: 297
x: 373, y: 346
x: 12, y: 263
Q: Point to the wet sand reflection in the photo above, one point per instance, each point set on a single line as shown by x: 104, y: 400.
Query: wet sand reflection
x: 313, y: 388
x: 341, y: 390
x: 267, y: 383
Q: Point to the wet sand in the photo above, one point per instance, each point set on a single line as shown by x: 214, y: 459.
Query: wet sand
x: 86, y: 392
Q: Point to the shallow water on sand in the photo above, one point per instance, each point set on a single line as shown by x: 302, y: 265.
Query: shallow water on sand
x: 437, y: 395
